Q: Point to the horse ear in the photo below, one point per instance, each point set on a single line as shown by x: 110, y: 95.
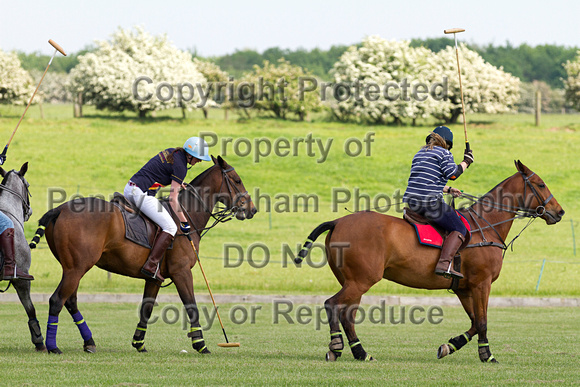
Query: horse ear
x: 213, y: 159
x: 222, y: 162
x: 2, y: 172
x: 520, y: 166
x: 23, y: 169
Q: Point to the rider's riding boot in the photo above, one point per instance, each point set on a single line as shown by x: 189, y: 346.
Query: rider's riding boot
x: 151, y: 267
x: 450, y: 246
x: 10, y: 269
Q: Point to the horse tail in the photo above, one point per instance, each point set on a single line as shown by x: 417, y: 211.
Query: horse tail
x: 50, y: 216
x: 326, y: 226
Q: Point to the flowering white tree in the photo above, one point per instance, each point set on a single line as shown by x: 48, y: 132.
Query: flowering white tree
x: 385, y: 73
x: 107, y: 76
x: 486, y: 88
x: 16, y: 84
x: 572, y: 83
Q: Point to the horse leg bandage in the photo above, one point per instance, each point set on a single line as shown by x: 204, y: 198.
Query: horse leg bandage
x: 51, y: 329
x: 358, y: 351
x: 139, y: 339
x: 458, y: 342
x: 336, y: 344
x: 82, y: 325
x: 197, y: 341
x: 484, y: 352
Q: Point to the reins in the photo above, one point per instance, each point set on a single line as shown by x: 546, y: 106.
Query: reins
x: 220, y: 216
x: 519, y: 213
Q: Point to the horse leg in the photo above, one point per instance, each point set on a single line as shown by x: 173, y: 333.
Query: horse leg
x: 68, y: 285
x: 480, y: 302
x: 23, y: 289
x: 149, y: 295
x: 71, y: 305
x: 336, y: 344
x: 457, y: 342
x: 349, y: 301
x: 184, y: 283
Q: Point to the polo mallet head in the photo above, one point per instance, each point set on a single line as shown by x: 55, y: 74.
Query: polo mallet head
x: 56, y: 48
x: 455, y: 31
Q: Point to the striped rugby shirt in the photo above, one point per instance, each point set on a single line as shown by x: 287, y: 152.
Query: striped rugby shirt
x: 430, y: 171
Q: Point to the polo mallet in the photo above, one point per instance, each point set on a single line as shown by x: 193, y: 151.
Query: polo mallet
x: 455, y: 31
x: 56, y: 48
x: 227, y: 343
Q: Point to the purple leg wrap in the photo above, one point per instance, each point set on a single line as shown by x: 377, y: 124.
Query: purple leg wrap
x: 82, y: 325
x: 51, y: 332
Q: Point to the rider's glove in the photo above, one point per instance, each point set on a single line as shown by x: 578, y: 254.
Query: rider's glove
x: 184, y: 227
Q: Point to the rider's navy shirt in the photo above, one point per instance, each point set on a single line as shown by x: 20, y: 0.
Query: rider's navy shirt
x: 158, y: 172
x: 430, y: 171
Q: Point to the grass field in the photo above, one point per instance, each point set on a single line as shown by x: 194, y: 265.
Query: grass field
x: 533, y: 346
x: 96, y: 155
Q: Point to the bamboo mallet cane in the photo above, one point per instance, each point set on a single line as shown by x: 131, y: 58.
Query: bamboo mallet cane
x: 455, y: 31
x: 57, y: 48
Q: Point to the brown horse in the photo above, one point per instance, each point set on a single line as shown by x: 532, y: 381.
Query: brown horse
x: 87, y: 232
x: 364, y: 247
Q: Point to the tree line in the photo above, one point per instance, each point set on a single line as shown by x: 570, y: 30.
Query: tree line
x: 539, y: 63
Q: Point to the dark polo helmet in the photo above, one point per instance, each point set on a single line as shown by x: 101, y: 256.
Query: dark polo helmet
x: 444, y: 132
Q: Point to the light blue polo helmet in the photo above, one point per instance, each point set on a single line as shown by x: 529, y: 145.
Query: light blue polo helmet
x: 198, y: 148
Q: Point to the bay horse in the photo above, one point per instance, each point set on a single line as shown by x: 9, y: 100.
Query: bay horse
x: 15, y: 203
x: 87, y: 232
x: 374, y: 246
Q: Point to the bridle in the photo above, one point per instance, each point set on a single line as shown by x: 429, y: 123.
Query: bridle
x: 519, y: 212
x: 222, y: 215
x: 25, y: 199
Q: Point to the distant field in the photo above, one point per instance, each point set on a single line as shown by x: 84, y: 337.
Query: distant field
x: 97, y: 154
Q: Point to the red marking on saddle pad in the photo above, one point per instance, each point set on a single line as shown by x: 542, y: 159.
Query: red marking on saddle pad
x: 430, y: 237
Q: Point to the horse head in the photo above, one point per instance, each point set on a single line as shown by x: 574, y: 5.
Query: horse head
x: 232, y: 193
x: 536, y: 197
x: 220, y: 183
x: 15, y: 194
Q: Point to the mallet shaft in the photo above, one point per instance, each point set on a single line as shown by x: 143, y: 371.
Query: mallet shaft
x: 30, y: 101
x: 208, y: 288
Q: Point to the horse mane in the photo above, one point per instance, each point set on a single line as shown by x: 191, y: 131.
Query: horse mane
x: 196, y: 182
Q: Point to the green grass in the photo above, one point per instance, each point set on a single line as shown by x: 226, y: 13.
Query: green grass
x: 96, y: 155
x: 533, y: 345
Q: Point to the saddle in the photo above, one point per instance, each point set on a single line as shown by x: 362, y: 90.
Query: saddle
x: 429, y: 234
x: 138, y: 227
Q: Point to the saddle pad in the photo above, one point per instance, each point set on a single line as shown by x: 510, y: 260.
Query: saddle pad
x: 139, y: 228
x: 135, y: 227
x: 428, y: 236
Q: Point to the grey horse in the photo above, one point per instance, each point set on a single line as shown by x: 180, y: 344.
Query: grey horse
x: 15, y: 203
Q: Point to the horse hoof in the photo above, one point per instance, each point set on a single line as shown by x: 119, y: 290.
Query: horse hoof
x: 142, y: 350
x: 90, y: 348
x: 40, y: 348
x: 56, y: 351
x: 331, y: 356
x: 443, y: 351
x: 369, y: 358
